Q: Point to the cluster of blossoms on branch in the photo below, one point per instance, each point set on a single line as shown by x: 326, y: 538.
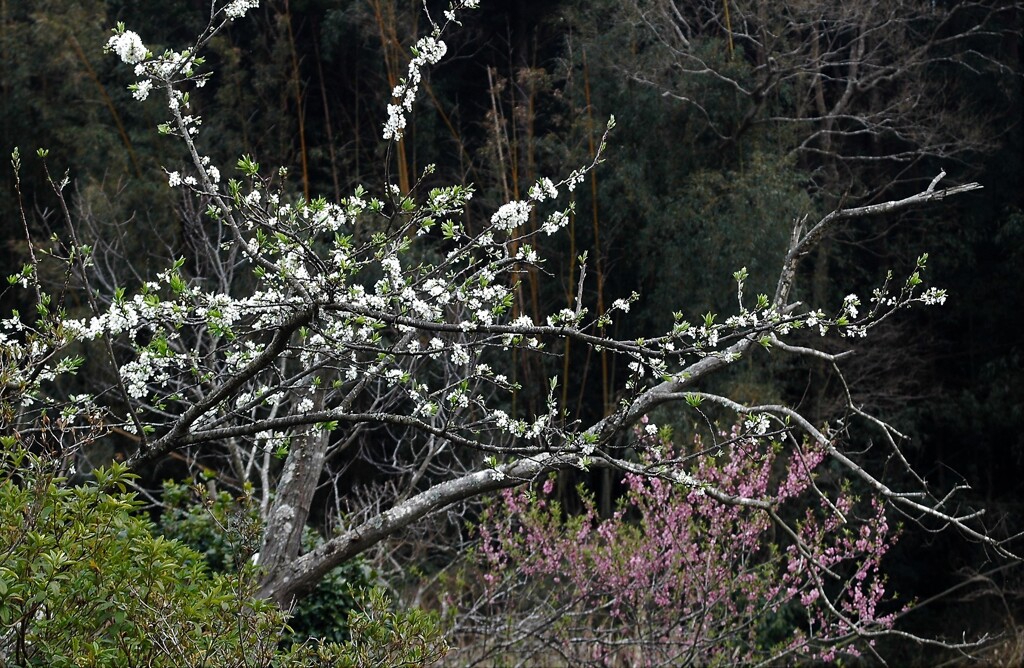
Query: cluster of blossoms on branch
x: 386, y: 289
x: 429, y: 50
x: 375, y: 308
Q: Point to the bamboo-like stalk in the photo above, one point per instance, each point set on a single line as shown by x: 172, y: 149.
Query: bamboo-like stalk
x: 500, y: 139
x: 465, y: 159
x: 606, y: 367
x: 299, y: 105
x: 567, y: 349
x: 606, y: 399
x: 728, y: 25
x: 327, y: 116
x: 531, y: 176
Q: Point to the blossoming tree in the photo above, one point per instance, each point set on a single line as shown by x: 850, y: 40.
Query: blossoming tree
x: 383, y: 323
x: 675, y: 577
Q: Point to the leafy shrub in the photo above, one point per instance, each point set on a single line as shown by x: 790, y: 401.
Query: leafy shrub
x: 85, y: 582
x: 226, y: 531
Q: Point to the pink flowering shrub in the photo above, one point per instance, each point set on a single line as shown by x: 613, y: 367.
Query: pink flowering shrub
x: 676, y: 577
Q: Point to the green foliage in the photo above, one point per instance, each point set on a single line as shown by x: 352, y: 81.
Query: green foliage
x: 722, y: 219
x: 84, y: 582
x: 225, y: 530
x: 383, y: 636
x: 326, y: 613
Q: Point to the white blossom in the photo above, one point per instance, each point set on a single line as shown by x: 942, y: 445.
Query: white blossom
x: 757, y: 423
x: 511, y: 215
x: 431, y: 50
x: 238, y: 8
x: 934, y: 297
x: 555, y: 222
x: 142, y: 89
x: 543, y: 189
x: 128, y: 46
x: 527, y: 254
x: 428, y: 51
x: 395, y: 124
x: 459, y: 355
x: 850, y: 304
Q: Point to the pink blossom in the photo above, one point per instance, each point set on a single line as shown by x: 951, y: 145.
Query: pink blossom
x: 701, y: 576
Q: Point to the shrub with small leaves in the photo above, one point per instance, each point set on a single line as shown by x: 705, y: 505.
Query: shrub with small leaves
x: 226, y: 530
x: 85, y: 582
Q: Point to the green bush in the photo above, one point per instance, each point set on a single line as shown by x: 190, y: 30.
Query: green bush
x: 226, y: 531
x: 85, y: 582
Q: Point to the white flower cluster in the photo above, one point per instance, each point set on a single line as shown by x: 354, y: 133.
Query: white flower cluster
x: 543, y: 190
x: 140, y: 91
x: 526, y: 253
x: 148, y: 368
x: 850, y: 304
x: 555, y: 222
x: 758, y: 424
x: 817, y: 318
x: 174, y: 179
x: 459, y: 355
x: 934, y: 297
x: 129, y: 47
x: 565, y: 318
x: 219, y: 309
x: 762, y: 315
x: 166, y: 65
x: 522, y: 322
x: 511, y: 215
x: 272, y: 439
x: 429, y: 50
x: 708, y: 336
x: 465, y: 4
x: 575, y: 178
x: 238, y: 8
x: 519, y: 428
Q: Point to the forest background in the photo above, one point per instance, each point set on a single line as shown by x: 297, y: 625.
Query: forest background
x: 706, y: 173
